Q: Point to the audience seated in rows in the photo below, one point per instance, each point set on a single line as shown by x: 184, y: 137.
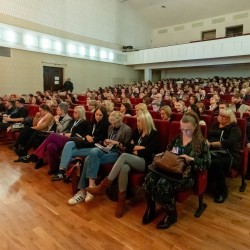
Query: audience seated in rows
x: 97, y: 131
x: 118, y: 137
x: 140, y: 149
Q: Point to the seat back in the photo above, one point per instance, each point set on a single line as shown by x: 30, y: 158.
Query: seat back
x: 176, y: 116
x: 89, y: 115
x: 174, y: 130
x: 135, y: 100
x: 163, y: 128
x: 130, y: 121
x: 155, y: 114
x: 207, y: 119
x: 32, y: 109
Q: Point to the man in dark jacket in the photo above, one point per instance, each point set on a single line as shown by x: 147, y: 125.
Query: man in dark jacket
x: 17, y: 115
x: 68, y: 85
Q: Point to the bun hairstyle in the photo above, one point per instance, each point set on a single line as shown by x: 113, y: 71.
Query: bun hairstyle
x: 197, y: 137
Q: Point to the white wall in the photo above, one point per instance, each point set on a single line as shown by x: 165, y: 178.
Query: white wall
x: 106, y: 20
x: 222, y: 50
x: 184, y: 33
x: 223, y: 71
x: 22, y: 73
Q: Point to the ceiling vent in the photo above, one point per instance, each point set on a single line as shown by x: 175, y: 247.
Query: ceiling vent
x: 162, y: 31
x: 177, y: 28
x: 240, y: 16
x: 218, y: 20
x: 198, y: 24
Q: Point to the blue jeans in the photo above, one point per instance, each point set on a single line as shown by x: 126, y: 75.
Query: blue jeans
x: 70, y: 151
x: 92, y: 164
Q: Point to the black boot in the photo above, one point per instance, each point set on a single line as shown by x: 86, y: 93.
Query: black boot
x: 150, y: 213
x: 221, y: 192
x: 169, y: 219
x: 221, y: 196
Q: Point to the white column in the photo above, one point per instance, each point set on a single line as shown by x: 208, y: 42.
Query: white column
x: 147, y: 75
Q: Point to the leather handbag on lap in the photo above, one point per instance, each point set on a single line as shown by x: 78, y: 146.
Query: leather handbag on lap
x: 173, y: 168
x: 171, y: 163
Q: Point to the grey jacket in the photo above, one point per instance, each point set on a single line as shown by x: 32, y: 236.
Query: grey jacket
x: 123, y: 135
x: 62, y: 125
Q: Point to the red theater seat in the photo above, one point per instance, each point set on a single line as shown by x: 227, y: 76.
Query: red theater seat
x: 155, y: 114
x: 176, y: 116
x: 207, y: 119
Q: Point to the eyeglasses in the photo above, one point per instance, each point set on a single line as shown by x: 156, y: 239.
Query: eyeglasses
x: 224, y: 117
x: 186, y: 130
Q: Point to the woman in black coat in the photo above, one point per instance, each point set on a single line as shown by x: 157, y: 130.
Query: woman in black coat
x: 224, y: 141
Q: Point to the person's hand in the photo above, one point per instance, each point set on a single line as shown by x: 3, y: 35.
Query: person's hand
x: 67, y: 135
x: 56, y: 118
x: 187, y: 157
x: 106, y: 142
x: 6, y: 119
x: 113, y: 142
x: 137, y: 147
x: 89, y: 138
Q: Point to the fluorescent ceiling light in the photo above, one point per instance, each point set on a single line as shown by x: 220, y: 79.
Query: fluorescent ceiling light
x: 58, y: 46
x: 92, y: 52
x: 103, y: 54
x: 45, y: 43
x: 71, y: 48
x: 111, y: 56
x: 82, y: 51
x: 29, y: 40
x: 10, y: 36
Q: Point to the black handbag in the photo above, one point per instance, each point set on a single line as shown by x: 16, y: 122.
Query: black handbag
x: 218, y: 152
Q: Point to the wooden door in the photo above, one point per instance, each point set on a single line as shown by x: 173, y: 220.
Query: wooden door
x: 52, y: 78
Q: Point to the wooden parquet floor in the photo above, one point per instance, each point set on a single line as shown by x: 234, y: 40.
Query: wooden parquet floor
x: 34, y: 214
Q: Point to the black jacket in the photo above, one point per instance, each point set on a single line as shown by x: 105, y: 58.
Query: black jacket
x: 150, y: 142
x: 230, y: 138
x: 80, y: 128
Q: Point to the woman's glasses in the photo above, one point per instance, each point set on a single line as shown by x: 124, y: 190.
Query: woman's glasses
x: 186, y: 130
x: 224, y: 116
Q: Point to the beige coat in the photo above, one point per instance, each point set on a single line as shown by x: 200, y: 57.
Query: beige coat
x: 45, y: 122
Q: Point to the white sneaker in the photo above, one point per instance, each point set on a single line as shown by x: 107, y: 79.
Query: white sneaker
x: 77, y: 198
x: 89, y: 197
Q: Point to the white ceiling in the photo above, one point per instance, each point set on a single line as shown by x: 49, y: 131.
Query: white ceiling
x: 183, y: 11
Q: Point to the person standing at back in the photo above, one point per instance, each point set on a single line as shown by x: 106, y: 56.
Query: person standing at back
x: 68, y: 85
